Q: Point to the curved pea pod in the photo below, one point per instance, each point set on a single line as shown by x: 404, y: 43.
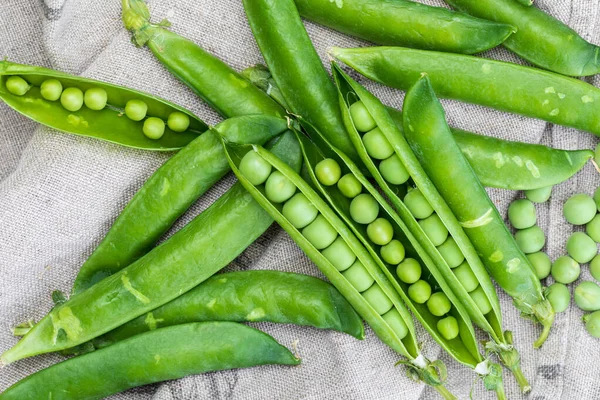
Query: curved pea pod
x: 109, y: 123
x: 533, y: 93
x: 430, y: 138
x: 157, y: 356
x: 204, y: 246
x: 168, y: 193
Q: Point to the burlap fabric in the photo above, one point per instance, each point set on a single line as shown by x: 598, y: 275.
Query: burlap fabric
x: 59, y: 194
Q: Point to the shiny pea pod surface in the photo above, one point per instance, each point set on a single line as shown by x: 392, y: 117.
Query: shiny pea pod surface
x: 156, y: 356
x: 71, y: 113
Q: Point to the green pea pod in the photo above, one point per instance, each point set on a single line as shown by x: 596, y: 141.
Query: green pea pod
x: 109, y: 124
x: 157, y: 356
x: 429, y: 136
x: 203, y: 247
x: 532, y: 92
x: 168, y: 193
x: 540, y: 38
x: 407, y: 23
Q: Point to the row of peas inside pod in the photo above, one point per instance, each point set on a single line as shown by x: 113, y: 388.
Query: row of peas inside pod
x: 96, y: 99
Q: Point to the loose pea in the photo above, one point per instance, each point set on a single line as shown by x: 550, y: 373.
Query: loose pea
x: 320, y: 233
x: 439, y: 304
x: 581, y: 247
x: 378, y: 299
x: 565, y: 270
x: 483, y: 303
x: 278, y: 188
x: 451, y: 252
x: 541, y: 264
x: 178, y: 121
x: 593, y: 228
x: 380, y: 231
x: 435, y: 229
x: 349, y: 186
x: 393, y: 171
x: 540, y: 195
x: 328, y: 172
x: 95, y: 99
x: 72, y: 99
x: 339, y: 254
x: 393, y: 253
x: 466, y: 277
x: 377, y: 144
x: 364, y: 209
x: 17, y: 85
x: 154, y: 128
x: 597, y: 198
x: 448, y: 327
x: 521, y: 214
x: 587, y: 296
x: 419, y: 291
x: 255, y: 168
x: 395, y: 321
x: 579, y: 209
x: 363, y: 121
x: 409, y: 271
x: 595, y: 267
x: 51, y: 89
x: 559, y: 297
x: 530, y: 240
x: 136, y: 110
x: 299, y: 211
x: 592, y: 324
x: 417, y: 204
x: 358, y: 276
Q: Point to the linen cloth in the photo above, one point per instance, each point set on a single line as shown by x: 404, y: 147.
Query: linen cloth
x: 59, y: 194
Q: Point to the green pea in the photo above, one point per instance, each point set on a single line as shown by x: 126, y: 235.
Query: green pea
x: 328, y: 172
x: 299, y: 211
x: 466, y: 277
x: 364, y: 209
x: 581, y: 247
x: 559, y: 297
x: 541, y: 264
x: 579, y: 209
x: 349, y: 186
x: 178, y: 121
x: 255, y: 168
x: 435, y: 229
x: 278, y: 188
x: 587, y: 296
x: 320, y: 233
x: 593, y: 228
x: 95, y: 99
x: 51, y: 89
x: 363, y: 121
x: 597, y: 198
x: 136, y: 110
x: 393, y: 253
x: 17, y: 85
x: 358, y: 276
x: 540, y: 195
x: 595, y: 267
x: 521, y: 214
x: 482, y: 301
x: 376, y: 297
x: 154, y: 128
x: 395, y: 321
x: 340, y: 254
x: 439, y: 304
x: 530, y: 240
x: 451, y: 252
x: 409, y: 271
x: 417, y: 204
x: 380, y: 231
x: 565, y: 270
x: 592, y: 324
x: 419, y: 292
x: 72, y: 99
x: 448, y: 327
x: 393, y: 171
x: 377, y: 144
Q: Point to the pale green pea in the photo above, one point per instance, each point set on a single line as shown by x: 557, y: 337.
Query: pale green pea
x: 395, y: 321
x: 377, y: 144
x: 597, y: 198
x: 541, y: 264
x: 559, y: 297
x: 299, y: 211
x: 364, y: 209
x: 349, y: 186
x: 154, y: 128
x: 593, y: 228
x: 320, y: 233
x: 595, y: 267
x: 540, y: 195
x: 581, y: 247
x: 587, y: 296
x: 565, y: 270
x: 480, y: 298
x: 393, y: 253
x: 435, y: 229
x: 339, y: 254
x: 530, y: 240
x: 255, y: 168
x: 358, y: 276
x: 328, y: 172
x: 417, y: 204
x: 178, y: 121
x: 439, y: 304
x: 464, y: 274
x: 17, y: 85
x: 419, y: 292
x: 451, y: 252
x: 448, y: 327
x: 51, y: 89
x: 579, y: 209
x: 380, y: 231
x: 376, y: 297
x: 521, y: 214
x: 72, y: 99
x: 95, y: 99
x: 393, y: 171
x: 363, y: 121
x: 136, y: 110
x: 409, y: 271
x: 592, y: 324
x: 278, y: 188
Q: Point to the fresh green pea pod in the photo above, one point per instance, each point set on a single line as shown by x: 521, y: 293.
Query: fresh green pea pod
x: 160, y: 355
x: 108, y: 123
x: 533, y: 93
x: 540, y: 38
x: 407, y: 23
x: 203, y: 247
x: 429, y: 136
x: 168, y: 193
